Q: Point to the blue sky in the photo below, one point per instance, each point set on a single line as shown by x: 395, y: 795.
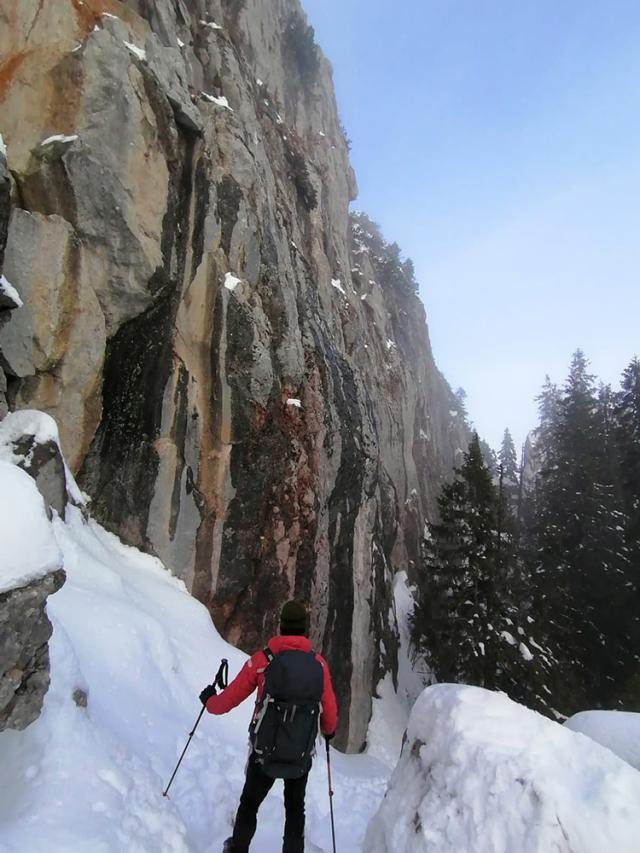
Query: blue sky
x: 499, y: 144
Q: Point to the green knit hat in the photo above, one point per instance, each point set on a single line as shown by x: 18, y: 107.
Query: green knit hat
x: 293, y: 618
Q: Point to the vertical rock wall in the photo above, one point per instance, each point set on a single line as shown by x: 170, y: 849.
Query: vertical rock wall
x: 235, y: 395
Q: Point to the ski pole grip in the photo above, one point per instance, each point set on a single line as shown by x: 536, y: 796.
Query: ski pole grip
x: 222, y: 676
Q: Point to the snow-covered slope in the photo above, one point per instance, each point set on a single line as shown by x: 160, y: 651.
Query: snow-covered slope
x: 136, y: 648
x: 29, y: 548
x: 130, y: 651
x: 481, y: 774
x: 619, y: 731
x: 391, y: 707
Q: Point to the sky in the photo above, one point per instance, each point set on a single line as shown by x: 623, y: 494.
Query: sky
x: 498, y: 143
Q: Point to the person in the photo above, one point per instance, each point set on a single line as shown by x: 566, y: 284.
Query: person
x: 295, y: 675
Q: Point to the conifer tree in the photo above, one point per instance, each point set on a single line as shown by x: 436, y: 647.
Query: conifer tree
x: 580, y: 554
x: 490, y: 459
x: 537, y: 460
x: 627, y: 428
x: 465, y: 621
x: 627, y: 416
x: 508, y: 464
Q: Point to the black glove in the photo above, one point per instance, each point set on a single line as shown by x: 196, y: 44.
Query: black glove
x: 329, y: 737
x: 207, y: 693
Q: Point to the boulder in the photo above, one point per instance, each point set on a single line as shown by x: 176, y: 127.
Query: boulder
x: 480, y: 773
x: 30, y: 571
x: 24, y: 651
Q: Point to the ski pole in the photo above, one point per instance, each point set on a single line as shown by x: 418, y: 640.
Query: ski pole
x: 333, y: 829
x: 221, y: 680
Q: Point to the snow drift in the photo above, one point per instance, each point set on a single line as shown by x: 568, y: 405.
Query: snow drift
x: 619, y: 731
x: 130, y: 652
x: 481, y: 774
x: 29, y: 549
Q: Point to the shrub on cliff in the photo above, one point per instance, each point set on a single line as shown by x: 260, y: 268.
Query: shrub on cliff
x: 299, y: 41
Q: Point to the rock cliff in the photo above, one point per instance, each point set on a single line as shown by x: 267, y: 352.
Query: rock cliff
x: 240, y: 372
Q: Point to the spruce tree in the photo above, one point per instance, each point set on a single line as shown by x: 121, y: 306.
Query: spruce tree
x: 508, y: 464
x: 465, y: 623
x: 490, y: 459
x: 627, y: 429
x: 580, y: 553
x: 627, y: 416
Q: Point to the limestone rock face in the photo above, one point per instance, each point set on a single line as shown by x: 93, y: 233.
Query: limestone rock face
x: 4, y: 202
x: 6, y: 304
x: 237, y: 397
x: 55, y: 343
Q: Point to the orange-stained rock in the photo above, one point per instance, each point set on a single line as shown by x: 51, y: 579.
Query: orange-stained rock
x: 193, y: 269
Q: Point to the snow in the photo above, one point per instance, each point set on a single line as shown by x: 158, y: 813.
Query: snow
x: 335, y: 282
x: 363, y: 297
x: 58, y: 137
x: 388, y: 723
x: 292, y: 401
x: 619, y: 731
x: 9, y: 290
x: 109, y: 15
x: 211, y: 24
x: 524, y: 651
x: 26, y: 422
x: 508, y: 637
x: 128, y: 635
x: 391, y: 707
x: 180, y: 43
x: 137, y: 51
x: 29, y: 548
x: 231, y: 282
x: 259, y: 81
x: 391, y: 344
x: 3, y: 147
x: 221, y: 102
x: 43, y: 428
x: 482, y: 774
x: 478, y: 773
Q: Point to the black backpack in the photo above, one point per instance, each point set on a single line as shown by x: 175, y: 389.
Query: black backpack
x: 285, y: 727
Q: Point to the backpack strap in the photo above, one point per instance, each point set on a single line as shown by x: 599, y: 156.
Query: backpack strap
x: 269, y: 655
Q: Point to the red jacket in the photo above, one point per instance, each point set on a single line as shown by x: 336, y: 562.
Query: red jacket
x: 252, y: 675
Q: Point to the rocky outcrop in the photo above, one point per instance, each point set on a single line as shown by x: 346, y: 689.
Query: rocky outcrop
x: 245, y: 390
x: 31, y: 562
x: 24, y: 651
x: 6, y: 302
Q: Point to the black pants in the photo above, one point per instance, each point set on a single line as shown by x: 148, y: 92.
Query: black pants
x: 256, y: 787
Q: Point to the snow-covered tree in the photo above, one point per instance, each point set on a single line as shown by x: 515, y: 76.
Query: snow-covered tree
x: 627, y: 415
x: 510, y: 476
x: 465, y: 622
x: 580, y: 559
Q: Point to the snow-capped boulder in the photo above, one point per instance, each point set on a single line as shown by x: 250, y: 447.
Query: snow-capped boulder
x: 619, y: 731
x: 4, y: 199
x: 30, y: 440
x: 481, y: 774
x: 7, y: 301
x: 30, y: 571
